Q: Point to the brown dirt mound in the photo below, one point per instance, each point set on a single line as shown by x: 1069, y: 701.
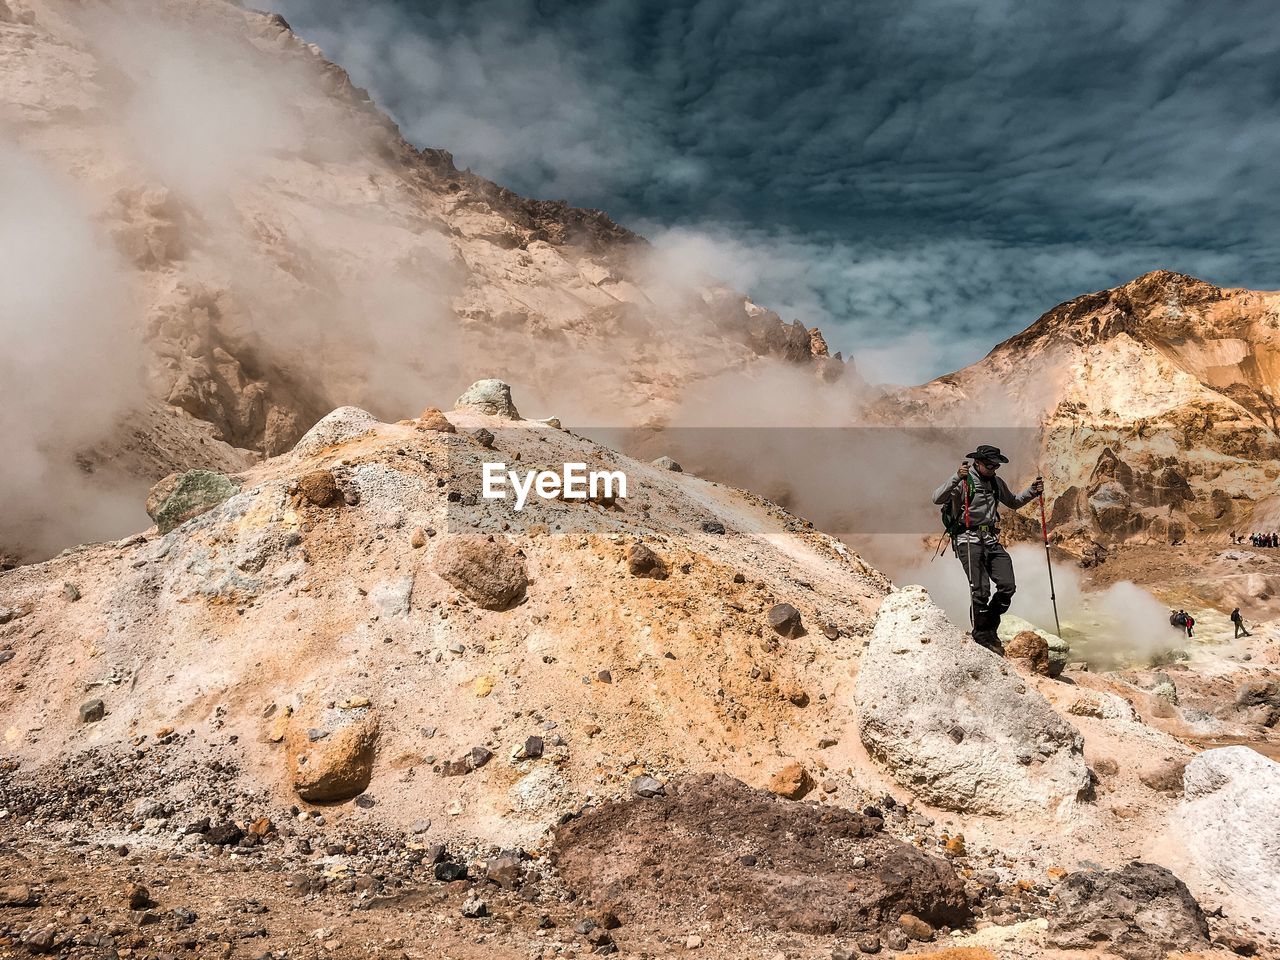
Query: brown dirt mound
x: 716, y: 847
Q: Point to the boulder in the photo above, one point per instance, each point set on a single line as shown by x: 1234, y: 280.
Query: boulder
x: 488, y: 573
x: 666, y: 463
x: 338, y: 763
x: 1228, y: 820
x: 320, y: 488
x: 792, y: 782
x: 1031, y: 647
x: 91, y: 711
x: 785, y: 619
x: 179, y: 497
x: 1259, y: 700
x: 433, y: 419
x: 1140, y: 913
x: 643, y: 562
x: 343, y: 424
x: 1059, y: 649
x: 955, y: 723
x: 490, y: 397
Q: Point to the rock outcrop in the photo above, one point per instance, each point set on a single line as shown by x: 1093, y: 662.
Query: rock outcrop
x: 956, y: 725
x: 1141, y: 912
x: 1229, y: 821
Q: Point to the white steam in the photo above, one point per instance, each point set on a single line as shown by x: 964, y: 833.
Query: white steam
x: 69, y: 366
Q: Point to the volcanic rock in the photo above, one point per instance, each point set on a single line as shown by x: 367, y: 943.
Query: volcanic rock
x: 792, y: 781
x: 785, y: 619
x: 666, y: 463
x: 433, y: 419
x: 643, y: 562
x: 179, y: 497
x: 490, y: 397
x: 488, y: 573
x: 320, y: 488
x: 1228, y: 821
x: 953, y: 723
x: 828, y: 871
x: 1140, y: 913
x: 338, y: 766
x: 1165, y: 777
x: 91, y: 711
x: 1031, y: 647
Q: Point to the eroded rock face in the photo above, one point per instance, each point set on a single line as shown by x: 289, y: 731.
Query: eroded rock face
x: 488, y: 573
x: 331, y: 752
x: 1229, y: 820
x: 179, y: 497
x: 955, y: 723
x: 775, y: 865
x: 490, y: 397
x: 1141, y: 913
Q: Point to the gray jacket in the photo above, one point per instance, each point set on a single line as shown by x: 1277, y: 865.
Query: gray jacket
x: 984, y: 508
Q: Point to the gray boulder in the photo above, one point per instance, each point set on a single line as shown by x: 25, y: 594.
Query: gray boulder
x: 345, y: 423
x: 490, y: 397
x: 1141, y: 913
x: 955, y: 724
x: 1229, y: 820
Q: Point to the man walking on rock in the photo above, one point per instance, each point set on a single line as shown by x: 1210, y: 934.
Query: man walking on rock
x: 973, y: 495
x: 1238, y: 622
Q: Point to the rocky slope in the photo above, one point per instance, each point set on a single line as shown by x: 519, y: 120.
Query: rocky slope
x: 263, y: 246
x: 1152, y: 409
x: 345, y: 665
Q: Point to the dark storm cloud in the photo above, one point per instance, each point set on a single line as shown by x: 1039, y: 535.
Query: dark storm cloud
x: 923, y: 177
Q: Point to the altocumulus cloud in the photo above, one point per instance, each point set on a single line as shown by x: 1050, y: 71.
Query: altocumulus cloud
x: 922, y: 178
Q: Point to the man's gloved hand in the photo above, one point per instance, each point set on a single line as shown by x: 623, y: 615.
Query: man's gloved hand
x: 1037, y: 487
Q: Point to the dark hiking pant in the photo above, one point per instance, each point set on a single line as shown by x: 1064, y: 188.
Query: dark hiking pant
x: 1240, y: 630
x: 990, y: 565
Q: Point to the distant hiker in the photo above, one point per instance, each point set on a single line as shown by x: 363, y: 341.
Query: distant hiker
x: 970, y: 500
x: 1238, y: 622
x: 1175, y: 619
x: 1189, y: 622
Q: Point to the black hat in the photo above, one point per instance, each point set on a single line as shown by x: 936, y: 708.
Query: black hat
x: 987, y: 452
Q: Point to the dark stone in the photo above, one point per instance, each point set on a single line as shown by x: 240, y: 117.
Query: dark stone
x: 224, y: 834
x: 139, y: 897
x: 643, y: 562
x: 1142, y: 912
x: 92, y: 711
x: 533, y: 748
x: 200, y: 826
x: 712, y: 526
x: 604, y: 676
x: 785, y: 619
x: 448, y: 872
x: 483, y: 437
x: 478, y: 757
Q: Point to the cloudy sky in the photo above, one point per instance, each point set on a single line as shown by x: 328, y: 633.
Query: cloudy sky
x: 922, y: 178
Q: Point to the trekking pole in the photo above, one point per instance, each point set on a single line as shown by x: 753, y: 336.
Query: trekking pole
x: 968, y: 547
x: 1044, y: 530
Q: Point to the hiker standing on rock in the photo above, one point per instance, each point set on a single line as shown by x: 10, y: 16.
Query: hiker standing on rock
x: 971, y: 501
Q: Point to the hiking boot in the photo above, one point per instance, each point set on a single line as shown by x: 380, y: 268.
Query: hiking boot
x: 989, y: 640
